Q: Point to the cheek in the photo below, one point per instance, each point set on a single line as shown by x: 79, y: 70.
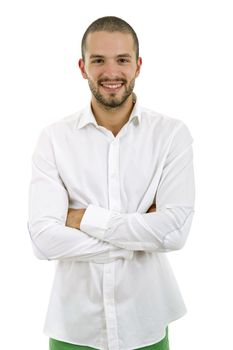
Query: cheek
x: 94, y: 76
x: 94, y: 70
x: 132, y: 72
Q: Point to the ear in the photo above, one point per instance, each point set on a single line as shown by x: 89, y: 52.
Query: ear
x: 139, y: 63
x: 81, y: 65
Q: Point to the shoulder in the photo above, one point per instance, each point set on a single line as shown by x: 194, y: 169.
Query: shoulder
x: 155, y: 118
x: 63, y: 126
x: 163, y: 124
x: 68, y: 122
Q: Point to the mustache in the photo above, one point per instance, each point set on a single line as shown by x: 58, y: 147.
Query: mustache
x: 105, y: 80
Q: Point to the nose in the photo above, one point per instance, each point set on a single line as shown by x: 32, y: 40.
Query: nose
x: 111, y: 69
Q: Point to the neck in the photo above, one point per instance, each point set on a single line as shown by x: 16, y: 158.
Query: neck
x: 112, y: 119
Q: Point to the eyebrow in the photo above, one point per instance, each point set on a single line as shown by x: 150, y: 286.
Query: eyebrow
x: 124, y: 55
x: 118, y: 56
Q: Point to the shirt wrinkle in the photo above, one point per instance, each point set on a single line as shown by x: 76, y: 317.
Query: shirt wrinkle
x: 100, y: 296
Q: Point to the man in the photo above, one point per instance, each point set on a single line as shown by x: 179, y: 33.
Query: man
x: 112, y: 191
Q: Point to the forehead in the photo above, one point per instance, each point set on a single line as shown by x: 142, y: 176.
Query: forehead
x: 109, y: 43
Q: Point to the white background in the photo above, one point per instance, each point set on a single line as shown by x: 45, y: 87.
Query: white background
x: 187, y: 74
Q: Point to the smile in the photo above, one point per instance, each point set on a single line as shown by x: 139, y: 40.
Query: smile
x: 111, y: 86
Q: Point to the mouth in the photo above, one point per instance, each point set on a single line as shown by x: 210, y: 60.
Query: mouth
x: 113, y: 86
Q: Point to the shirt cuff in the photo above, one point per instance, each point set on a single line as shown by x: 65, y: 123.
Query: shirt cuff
x: 95, y: 221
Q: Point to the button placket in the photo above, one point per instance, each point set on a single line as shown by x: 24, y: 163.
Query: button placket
x: 113, y: 176
x: 109, y: 305
x: 109, y: 272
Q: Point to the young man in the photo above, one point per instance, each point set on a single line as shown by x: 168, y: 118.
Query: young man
x: 112, y: 191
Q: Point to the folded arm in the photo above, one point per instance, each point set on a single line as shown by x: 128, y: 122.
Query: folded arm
x: 167, y: 228
x: 48, y: 207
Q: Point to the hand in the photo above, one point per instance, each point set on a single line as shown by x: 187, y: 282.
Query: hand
x: 152, y: 208
x: 74, y: 217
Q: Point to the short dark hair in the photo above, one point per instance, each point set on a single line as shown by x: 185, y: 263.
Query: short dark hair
x: 110, y: 24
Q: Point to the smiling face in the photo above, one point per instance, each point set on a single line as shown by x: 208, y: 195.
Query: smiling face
x: 110, y: 67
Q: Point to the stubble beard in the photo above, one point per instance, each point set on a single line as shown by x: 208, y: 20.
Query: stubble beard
x: 112, y: 102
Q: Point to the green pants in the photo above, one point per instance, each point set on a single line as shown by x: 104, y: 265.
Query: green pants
x: 60, y: 345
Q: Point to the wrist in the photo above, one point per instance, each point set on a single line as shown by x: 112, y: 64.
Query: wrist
x: 74, y: 217
x: 80, y: 216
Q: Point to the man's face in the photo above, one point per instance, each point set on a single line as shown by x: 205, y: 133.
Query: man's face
x: 110, y: 67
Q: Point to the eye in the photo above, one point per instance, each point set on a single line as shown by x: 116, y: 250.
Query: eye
x: 97, y: 61
x: 123, y: 60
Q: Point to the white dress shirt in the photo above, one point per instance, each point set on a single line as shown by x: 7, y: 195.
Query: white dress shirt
x: 113, y: 288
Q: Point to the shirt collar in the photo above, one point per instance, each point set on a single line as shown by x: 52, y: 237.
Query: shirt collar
x: 87, y: 116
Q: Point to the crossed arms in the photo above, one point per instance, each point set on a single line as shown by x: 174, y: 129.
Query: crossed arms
x: 74, y: 216
x: 98, y: 234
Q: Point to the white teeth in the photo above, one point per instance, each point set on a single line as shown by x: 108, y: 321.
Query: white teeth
x: 111, y: 86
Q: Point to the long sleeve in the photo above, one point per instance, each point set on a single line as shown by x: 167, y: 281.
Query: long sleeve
x: 48, y: 206
x: 167, y: 228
